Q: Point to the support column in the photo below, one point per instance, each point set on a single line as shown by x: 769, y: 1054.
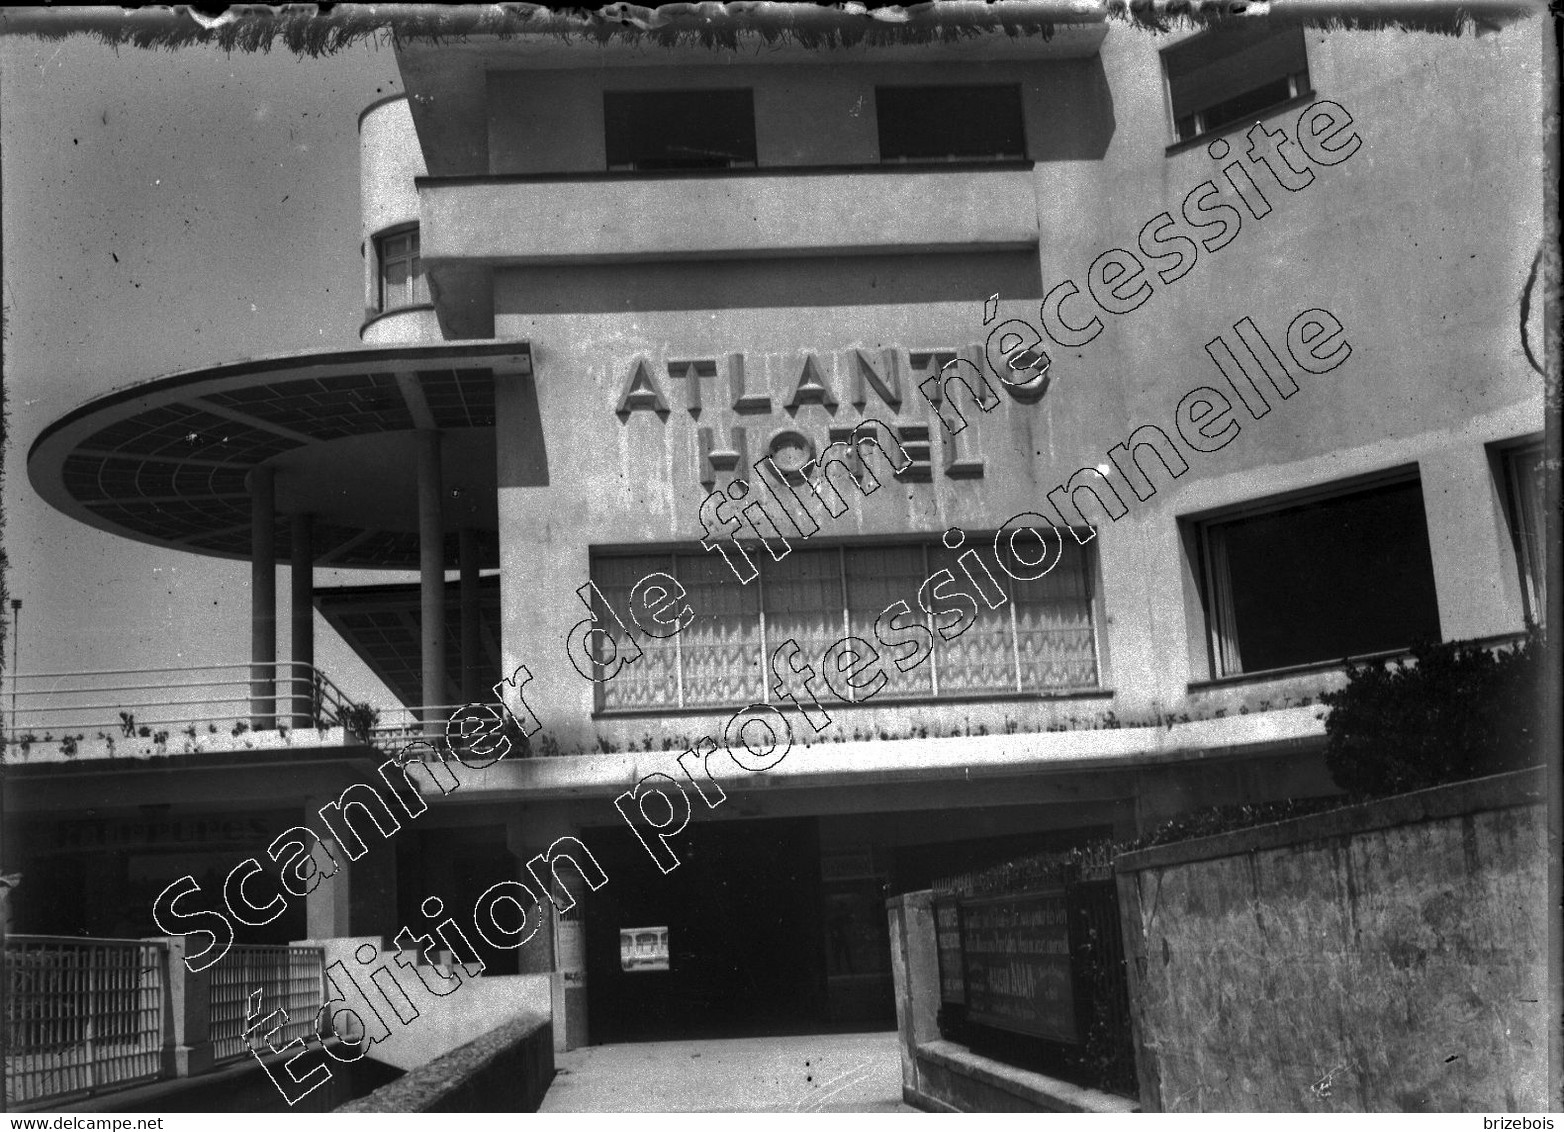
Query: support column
x: 471, y: 692
x: 187, y: 1035
x: 263, y: 602
x: 558, y: 949
x: 431, y: 576
x: 327, y: 907
x: 302, y: 606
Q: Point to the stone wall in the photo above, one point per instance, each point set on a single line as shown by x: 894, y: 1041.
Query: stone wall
x: 1386, y: 957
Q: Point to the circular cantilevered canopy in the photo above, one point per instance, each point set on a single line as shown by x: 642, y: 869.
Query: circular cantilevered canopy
x: 168, y: 461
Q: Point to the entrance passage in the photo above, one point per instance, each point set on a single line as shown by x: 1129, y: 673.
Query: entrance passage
x: 736, y: 941
x: 812, y: 1073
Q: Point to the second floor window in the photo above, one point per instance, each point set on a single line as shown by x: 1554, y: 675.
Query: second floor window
x: 950, y: 123
x: 1222, y: 77
x: 1041, y: 639
x: 679, y: 129
x: 401, y: 271
x: 1318, y: 581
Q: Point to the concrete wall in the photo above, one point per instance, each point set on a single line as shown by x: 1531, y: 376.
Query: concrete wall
x: 443, y: 1023
x: 804, y: 114
x: 1426, y: 287
x: 389, y: 160
x: 508, y: 1069
x: 1389, y: 957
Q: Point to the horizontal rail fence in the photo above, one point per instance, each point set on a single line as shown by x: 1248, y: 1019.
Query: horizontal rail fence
x: 161, y: 703
x: 82, y: 1015
x: 291, y: 979
x: 396, y: 728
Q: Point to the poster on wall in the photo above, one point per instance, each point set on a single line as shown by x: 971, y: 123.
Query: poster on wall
x: 643, y: 949
x: 1016, y: 960
x: 572, y: 952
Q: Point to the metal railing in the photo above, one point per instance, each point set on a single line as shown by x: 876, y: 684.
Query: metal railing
x: 86, y: 1016
x: 403, y: 724
x: 82, y: 1015
x: 111, y: 705
x: 289, y: 979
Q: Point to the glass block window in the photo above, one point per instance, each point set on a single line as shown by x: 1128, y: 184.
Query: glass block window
x: 402, y: 281
x: 1041, y: 638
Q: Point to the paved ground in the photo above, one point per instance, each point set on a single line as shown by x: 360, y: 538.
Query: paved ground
x: 812, y: 1073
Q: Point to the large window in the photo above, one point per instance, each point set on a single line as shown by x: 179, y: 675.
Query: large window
x: 1042, y: 638
x: 679, y: 129
x: 1319, y: 580
x: 950, y: 123
x: 1222, y: 77
x: 401, y: 271
x: 1525, y: 487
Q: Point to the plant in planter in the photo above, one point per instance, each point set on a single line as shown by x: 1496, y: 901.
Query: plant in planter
x: 360, y: 720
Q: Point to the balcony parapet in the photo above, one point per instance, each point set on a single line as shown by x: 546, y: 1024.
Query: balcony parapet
x: 728, y: 213
x: 154, y: 712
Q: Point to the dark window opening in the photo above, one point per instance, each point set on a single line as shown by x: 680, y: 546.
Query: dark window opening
x: 1526, y: 500
x: 679, y: 129
x: 1320, y: 581
x: 949, y: 123
x: 402, y: 282
x: 1223, y: 77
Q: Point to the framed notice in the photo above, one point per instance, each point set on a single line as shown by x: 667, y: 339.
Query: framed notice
x: 947, y: 933
x: 643, y: 949
x: 1016, y: 964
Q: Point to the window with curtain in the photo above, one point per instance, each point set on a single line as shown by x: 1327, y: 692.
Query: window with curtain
x: 1525, y: 484
x: 1230, y: 75
x: 1322, y: 580
x: 1041, y: 638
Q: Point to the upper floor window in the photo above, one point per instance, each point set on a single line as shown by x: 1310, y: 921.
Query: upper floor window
x: 679, y: 129
x: 1322, y: 580
x: 1226, y: 76
x: 1040, y: 638
x: 402, y: 281
x: 1524, y: 488
x: 950, y: 123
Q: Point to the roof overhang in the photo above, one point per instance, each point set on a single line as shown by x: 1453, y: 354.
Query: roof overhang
x: 168, y: 462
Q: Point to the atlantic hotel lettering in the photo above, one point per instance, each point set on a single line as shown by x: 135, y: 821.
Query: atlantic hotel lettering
x: 746, y: 407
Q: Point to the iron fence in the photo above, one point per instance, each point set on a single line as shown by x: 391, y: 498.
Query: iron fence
x: 291, y: 979
x: 82, y: 1015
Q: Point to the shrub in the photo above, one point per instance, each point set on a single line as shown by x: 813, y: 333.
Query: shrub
x: 360, y: 720
x: 1457, y: 711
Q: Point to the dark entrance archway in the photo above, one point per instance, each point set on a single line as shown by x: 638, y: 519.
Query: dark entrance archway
x: 747, y: 939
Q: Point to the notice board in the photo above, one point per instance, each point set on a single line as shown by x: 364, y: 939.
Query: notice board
x: 1016, y: 961
x: 947, y: 931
